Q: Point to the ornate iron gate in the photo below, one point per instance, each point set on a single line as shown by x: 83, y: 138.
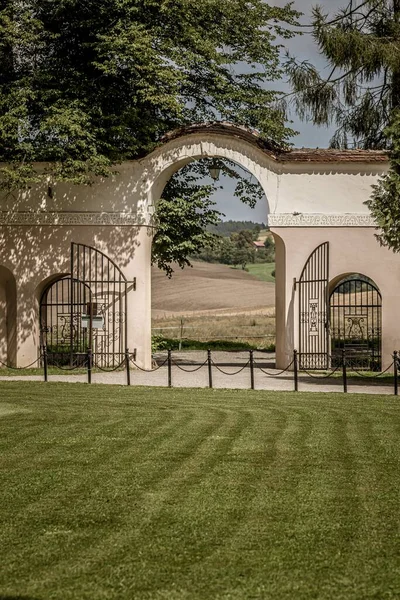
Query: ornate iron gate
x: 313, y: 310
x: 356, y: 324
x: 86, y: 310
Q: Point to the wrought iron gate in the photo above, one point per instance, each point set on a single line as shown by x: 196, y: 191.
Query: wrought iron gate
x: 313, y: 310
x: 356, y: 324
x: 87, y: 309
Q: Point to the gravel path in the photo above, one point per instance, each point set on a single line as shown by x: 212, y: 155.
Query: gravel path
x: 188, y: 372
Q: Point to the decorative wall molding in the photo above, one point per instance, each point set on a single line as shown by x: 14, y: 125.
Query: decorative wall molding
x: 71, y: 218
x: 131, y: 219
x: 320, y: 220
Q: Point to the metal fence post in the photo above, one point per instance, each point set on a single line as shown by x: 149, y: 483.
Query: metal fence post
x: 296, y: 370
x: 344, y: 370
x: 210, y: 382
x: 395, y: 373
x: 45, y: 365
x: 89, y: 365
x: 169, y: 368
x: 252, y: 369
x: 127, y: 366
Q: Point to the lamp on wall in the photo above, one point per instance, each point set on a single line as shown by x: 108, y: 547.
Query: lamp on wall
x: 215, y: 171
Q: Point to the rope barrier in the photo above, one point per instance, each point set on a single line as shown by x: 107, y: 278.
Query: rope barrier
x: 189, y: 370
x: 273, y: 374
x: 226, y: 373
x: 321, y: 376
x: 109, y: 370
x: 362, y: 374
x: 20, y: 368
x: 68, y: 368
x: 149, y: 370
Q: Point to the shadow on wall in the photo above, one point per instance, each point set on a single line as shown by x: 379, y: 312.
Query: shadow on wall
x: 36, y: 247
x: 8, y: 307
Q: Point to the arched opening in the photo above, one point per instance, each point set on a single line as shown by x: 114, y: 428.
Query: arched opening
x: 62, y: 305
x: 355, y: 325
x: 87, y: 310
x: 229, y: 295
x: 8, y: 317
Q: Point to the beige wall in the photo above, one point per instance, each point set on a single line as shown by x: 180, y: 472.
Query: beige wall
x: 38, y: 254
x: 114, y: 215
x: 352, y: 250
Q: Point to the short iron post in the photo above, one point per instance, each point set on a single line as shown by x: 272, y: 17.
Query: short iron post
x: 395, y: 373
x: 252, y: 369
x: 344, y: 370
x: 89, y: 365
x: 45, y: 363
x: 296, y: 370
x: 127, y: 366
x: 209, y: 362
x: 169, y: 360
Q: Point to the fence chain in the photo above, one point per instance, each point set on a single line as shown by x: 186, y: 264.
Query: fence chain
x: 74, y: 368
x: 314, y: 376
x: 361, y: 374
x: 21, y: 368
x: 189, y: 370
x: 149, y: 370
x: 274, y: 374
x: 109, y: 370
x: 226, y: 373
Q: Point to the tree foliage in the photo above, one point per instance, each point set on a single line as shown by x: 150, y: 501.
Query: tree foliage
x: 85, y: 85
x: 362, y: 46
x: 384, y: 203
x: 361, y: 94
x: 186, y: 216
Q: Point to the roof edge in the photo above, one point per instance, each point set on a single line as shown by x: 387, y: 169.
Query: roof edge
x: 277, y: 153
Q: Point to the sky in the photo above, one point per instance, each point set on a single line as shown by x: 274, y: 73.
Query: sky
x: 310, y: 136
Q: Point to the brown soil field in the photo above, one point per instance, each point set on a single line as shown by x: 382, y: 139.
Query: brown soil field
x: 209, y: 289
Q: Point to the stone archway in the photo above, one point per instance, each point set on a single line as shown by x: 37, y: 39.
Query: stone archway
x: 313, y: 196
x: 180, y: 151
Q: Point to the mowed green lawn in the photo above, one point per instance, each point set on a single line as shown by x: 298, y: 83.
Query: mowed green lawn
x: 137, y: 493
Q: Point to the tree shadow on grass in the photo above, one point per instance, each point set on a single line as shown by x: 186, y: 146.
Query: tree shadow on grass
x: 7, y: 597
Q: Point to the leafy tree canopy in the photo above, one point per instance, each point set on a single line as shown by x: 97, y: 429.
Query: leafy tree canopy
x: 361, y: 94
x: 87, y: 84
x: 186, y: 218
x: 362, y: 46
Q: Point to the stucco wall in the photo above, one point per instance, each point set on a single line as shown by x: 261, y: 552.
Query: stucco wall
x: 307, y: 203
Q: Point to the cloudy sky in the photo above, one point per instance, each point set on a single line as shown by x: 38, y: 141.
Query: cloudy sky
x: 304, y: 48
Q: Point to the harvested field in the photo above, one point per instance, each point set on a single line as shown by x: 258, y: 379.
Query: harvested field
x: 209, y: 289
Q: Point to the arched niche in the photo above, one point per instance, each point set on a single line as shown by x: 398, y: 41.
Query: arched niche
x: 355, y: 321
x: 8, y: 317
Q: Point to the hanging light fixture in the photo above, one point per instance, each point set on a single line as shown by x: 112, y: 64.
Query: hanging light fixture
x: 215, y: 171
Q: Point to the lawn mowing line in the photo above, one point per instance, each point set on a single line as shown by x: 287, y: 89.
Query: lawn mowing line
x: 276, y: 521
x: 167, y: 499
x: 44, y: 499
x: 377, y: 481
x: 255, y: 573
x: 177, y: 428
x: 174, y: 546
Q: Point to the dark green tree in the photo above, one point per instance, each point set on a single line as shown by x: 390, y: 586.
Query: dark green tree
x: 86, y: 85
x: 362, y: 46
x: 361, y: 95
x: 186, y: 214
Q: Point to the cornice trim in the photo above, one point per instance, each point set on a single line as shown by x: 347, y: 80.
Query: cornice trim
x: 320, y: 220
x: 70, y: 218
